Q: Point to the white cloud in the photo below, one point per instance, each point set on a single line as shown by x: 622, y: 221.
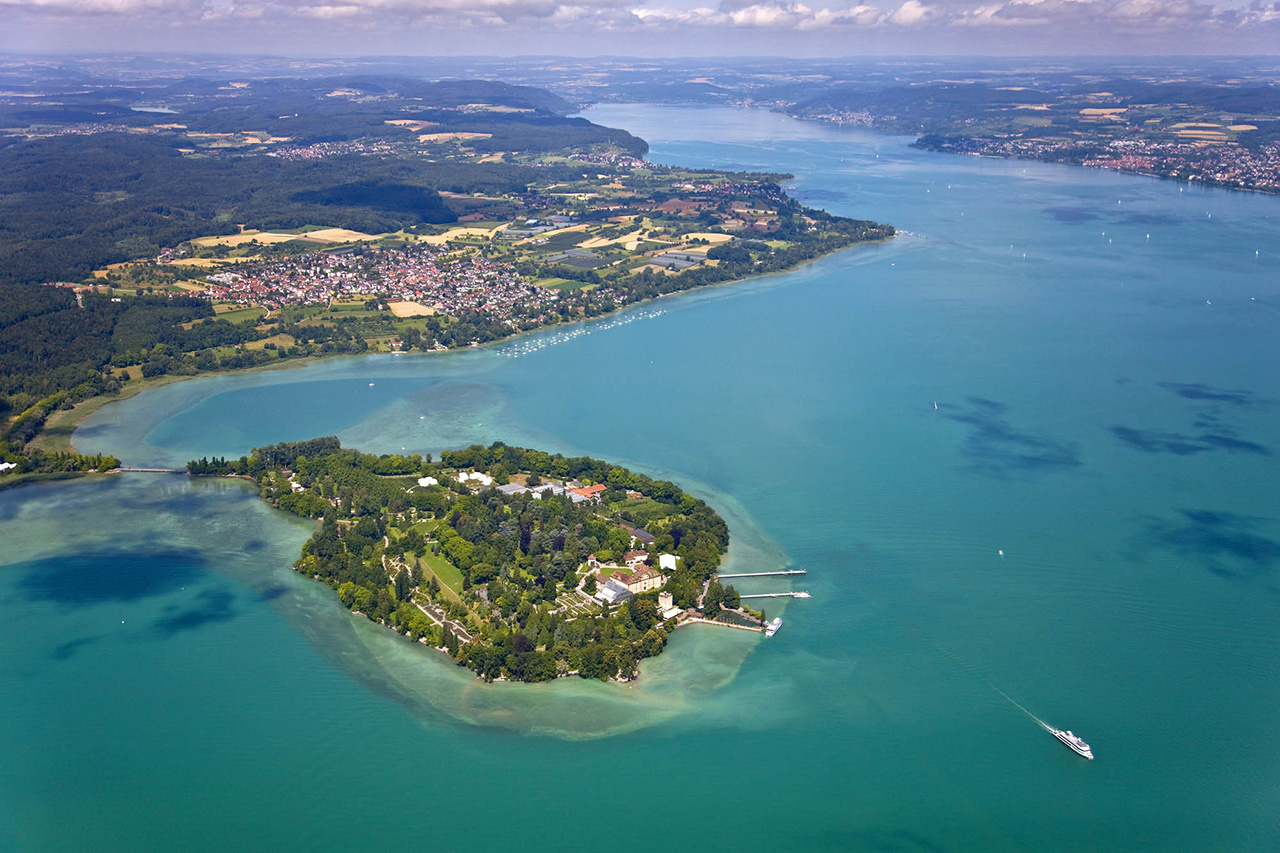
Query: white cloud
x: 101, y: 7
x: 329, y: 12
x: 1081, y: 25
x: 910, y: 13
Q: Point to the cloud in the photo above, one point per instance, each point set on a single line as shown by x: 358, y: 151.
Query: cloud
x: 81, y: 8
x: 329, y: 12
x: 691, y: 26
x: 789, y: 16
x: 910, y: 13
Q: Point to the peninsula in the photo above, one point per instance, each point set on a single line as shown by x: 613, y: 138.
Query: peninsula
x: 269, y: 221
x: 519, y: 564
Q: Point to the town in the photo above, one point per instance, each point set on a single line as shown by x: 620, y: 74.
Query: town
x: 421, y: 278
x: 1223, y: 165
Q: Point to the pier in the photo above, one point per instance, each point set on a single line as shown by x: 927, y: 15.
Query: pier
x: 154, y: 470
x: 699, y: 620
x: 780, y: 572
x: 800, y: 594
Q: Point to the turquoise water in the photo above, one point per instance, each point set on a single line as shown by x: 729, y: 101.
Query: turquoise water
x: 1106, y: 413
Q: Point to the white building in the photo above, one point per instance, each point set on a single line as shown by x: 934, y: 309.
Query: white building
x: 428, y: 481
x: 667, y: 562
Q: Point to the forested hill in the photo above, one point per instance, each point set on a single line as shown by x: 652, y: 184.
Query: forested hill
x: 213, y: 105
x: 94, y: 176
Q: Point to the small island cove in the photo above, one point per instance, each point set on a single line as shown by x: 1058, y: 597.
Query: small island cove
x: 521, y: 565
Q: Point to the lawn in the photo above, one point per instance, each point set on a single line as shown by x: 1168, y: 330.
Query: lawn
x: 559, y: 283
x: 280, y: 340
x: 238, y: 315
x: 447, y: 573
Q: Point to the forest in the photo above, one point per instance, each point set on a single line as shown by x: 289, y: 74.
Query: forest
x: 94, y: 182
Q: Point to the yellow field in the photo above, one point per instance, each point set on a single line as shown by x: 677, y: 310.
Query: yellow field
x: 454, y: 233
x: 1208, y: 135
x: 244, y: 237
x: 1102, y: 111
x: 207, y: 263
x: 336, y: 235
x: 411, y: 309
x: 412, y: 124
x: 710, y: 237
x: 1241, y: 128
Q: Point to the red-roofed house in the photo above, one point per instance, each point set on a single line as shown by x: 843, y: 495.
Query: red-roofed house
x: 635, y: 558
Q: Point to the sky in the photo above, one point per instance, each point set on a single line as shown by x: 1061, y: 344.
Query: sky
x: 657, y: 28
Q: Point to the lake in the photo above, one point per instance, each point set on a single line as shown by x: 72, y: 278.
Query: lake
x: 1026, y: 453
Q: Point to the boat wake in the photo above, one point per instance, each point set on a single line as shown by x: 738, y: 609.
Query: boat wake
x: 1022, y: 708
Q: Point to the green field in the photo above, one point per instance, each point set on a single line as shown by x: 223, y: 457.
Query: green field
x: 559, y: 283
x: 238, y: 315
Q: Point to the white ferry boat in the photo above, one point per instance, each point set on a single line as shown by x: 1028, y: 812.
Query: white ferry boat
x: 773, y: 627
x: 1074, y: 742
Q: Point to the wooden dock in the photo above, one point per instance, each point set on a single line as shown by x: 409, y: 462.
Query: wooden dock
x: 779, y: 573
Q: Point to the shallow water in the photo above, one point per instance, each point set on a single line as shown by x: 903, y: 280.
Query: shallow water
x: 1105, y: 416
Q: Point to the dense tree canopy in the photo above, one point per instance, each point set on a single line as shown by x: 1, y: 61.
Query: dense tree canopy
x: 515, y: 613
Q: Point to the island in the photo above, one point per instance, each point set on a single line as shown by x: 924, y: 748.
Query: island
x: 519, y: 564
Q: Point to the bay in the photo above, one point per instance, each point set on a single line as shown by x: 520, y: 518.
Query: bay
x: 1024, y: 450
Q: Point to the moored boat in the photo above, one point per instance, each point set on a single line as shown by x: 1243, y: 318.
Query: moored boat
x: 773, y: 627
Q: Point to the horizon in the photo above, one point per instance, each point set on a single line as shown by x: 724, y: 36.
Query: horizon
x: 649, y: 29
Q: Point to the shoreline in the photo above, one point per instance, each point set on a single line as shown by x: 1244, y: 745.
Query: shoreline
x: 56, y: 436
x: 916, y: 137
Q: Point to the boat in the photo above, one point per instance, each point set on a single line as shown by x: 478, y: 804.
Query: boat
x: 1073, y: 741
x: 772, y: 627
